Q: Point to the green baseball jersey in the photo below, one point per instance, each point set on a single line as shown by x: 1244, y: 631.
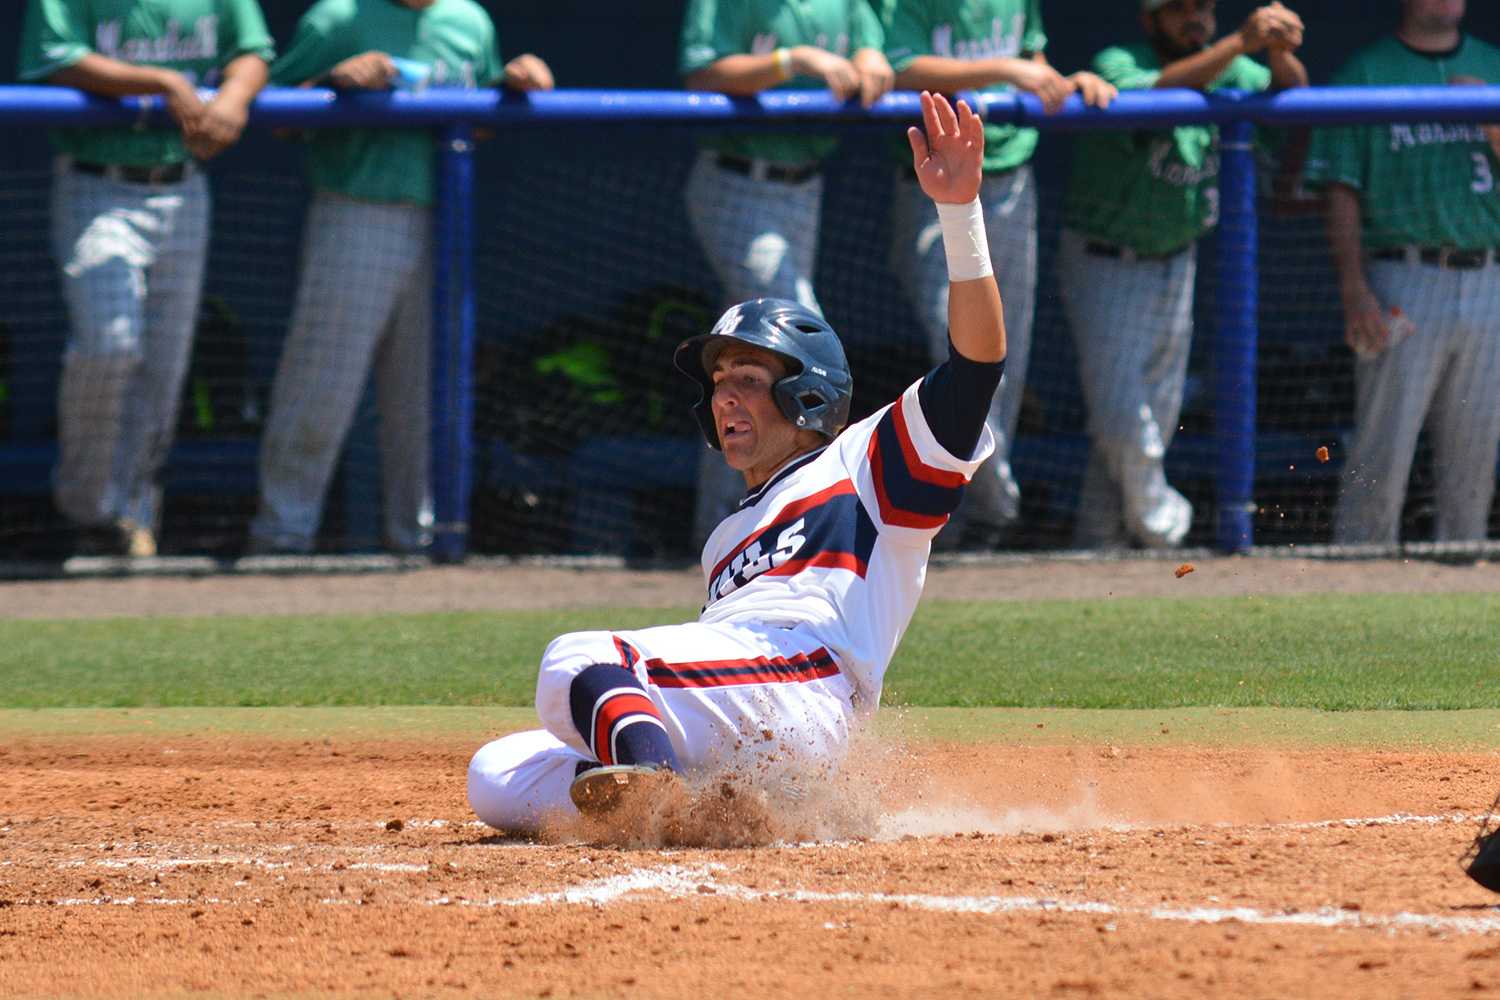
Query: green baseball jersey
x: 1432, y: 184
x: 1152, y: 191
x: 713, y: 29
x: 454, y: 37
x: 197, y: 38
x: 969, y: 30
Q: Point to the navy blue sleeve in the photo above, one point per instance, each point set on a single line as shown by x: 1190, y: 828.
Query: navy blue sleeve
x: 955, y: 398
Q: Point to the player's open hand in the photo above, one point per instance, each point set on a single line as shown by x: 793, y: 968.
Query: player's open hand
x: 527, y: 72
x: 366, y: 71
x: 949, y: 158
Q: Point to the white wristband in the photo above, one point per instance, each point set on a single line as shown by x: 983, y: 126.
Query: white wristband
x: 964, y: 242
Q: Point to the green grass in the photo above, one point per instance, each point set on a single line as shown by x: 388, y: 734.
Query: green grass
x: 1341, y: 652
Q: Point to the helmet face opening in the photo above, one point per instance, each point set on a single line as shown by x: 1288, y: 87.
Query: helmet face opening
x: 817, y: 389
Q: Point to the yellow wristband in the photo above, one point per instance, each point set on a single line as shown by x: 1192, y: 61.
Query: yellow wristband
x: 783, y: 59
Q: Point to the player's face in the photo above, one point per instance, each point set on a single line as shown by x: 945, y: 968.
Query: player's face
x: 1432, y: 15
x: 755, y: 435
x: 1182, y: 27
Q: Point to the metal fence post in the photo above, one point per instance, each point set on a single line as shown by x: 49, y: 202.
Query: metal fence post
x: 1235, y: 346
x: 453, y: 344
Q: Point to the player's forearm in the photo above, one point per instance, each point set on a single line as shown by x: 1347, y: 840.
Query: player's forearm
x: 113, y: 78
x: 1345, y: 230
x: 244, y: 77
x: 741, y: 75
x: 1287, y: 71
x: 941, y: 74
x: 1202, y: 68
x: 976, y: 321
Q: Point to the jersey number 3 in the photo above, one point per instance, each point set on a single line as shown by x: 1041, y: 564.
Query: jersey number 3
x: 1484, y: 177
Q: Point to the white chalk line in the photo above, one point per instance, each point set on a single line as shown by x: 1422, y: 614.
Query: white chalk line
x: 674, y: 882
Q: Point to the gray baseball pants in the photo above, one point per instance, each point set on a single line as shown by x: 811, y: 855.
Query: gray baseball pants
x: 1132, y: 322
x: 132, y: 259
x: 921, y: 265
x: 761, y: 237
x: 1446, y: 373
x: 363, y: 302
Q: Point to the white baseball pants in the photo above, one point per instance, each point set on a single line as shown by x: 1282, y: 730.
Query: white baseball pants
x: 364, y: 301
x: 1446, y: 373
x: 1132, y: 321
x: 760, y: 702
x: 761, y: 238
x: 132, y: 259
x: 921, y: 265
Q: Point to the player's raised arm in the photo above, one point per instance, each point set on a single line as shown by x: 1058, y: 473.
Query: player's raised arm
x: 948, y: 160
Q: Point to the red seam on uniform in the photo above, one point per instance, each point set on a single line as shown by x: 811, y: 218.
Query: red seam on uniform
x: 889, y: 512
x: 613, y: 709
x: 826, y: 560
x: 628, y: 654
x: 791, y: 510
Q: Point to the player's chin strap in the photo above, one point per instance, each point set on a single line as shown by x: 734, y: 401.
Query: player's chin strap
x: 1482, y: 860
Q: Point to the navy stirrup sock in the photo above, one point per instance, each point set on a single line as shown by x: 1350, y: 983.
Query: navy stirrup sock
x: 617, y: 720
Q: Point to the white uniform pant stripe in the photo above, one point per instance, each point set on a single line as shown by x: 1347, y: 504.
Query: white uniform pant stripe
x: 1133, y: 324
x: 919, y: 262
x: 364, y: 300
x: 1445, y: 373
x: 132, y: 259
x: 761, y: 238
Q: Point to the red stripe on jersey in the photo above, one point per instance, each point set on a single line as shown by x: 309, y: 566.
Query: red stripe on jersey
x: 826, y: 560
x: 613, y: 710
x: 914, y: 464
x: 794, y: 509
x: 798, y: 669
x: 889, y: 512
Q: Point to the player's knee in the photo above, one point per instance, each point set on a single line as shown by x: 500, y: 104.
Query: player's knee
x: 565, y: 658
x: 516, y: 781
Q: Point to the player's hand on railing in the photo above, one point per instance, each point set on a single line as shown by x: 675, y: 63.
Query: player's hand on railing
x: 836, y: 71
x: 219, y: 127
x: 876, y: 78
x: 1096, y: 91
x: 1040, y: 79
x: 366, y: 71
x: 949, y: 158
x: 1271, y: 26
x: 528, y: 72
x: 182, y: 100
x: 1365, y: 330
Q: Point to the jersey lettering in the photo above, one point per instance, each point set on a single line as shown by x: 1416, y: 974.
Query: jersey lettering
x: 172, y: 46
x: 1432, y: 134
x: 1180, y: 174
x: 998, y: 44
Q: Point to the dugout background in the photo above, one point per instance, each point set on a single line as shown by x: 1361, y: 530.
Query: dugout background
x: 587, y: 249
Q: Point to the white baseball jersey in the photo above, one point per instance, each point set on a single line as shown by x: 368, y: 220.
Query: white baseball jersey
x: 837, y: 541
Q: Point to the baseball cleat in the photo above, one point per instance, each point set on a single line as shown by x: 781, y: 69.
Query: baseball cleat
x: 600, y: 791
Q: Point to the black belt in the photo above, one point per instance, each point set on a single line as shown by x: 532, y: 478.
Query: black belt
x: 769, y: 171
x: 1096, y: 249
x: 170, y: 173
x: 1448, y: 257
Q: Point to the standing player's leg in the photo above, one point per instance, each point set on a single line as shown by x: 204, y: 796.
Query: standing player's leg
x: 103, y: 259
x: 1393, y: 391
x: 356, y: 257
x: 761, y: 238
x: 403, y: 383
x: 174, y: 289
x: 1466, y: 414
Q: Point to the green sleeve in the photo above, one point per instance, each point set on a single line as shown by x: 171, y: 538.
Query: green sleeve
x: 865, y: 31
x: 1035, y: 37
x: 53, y: 38
x: 1247, y: 74
x: 491, y: 72
x: 711, y: 31
x: 1120, y: 67
x: 907, y: 32
x: 1335, y: 155
x: 243, y: 32
x: 318, y: 45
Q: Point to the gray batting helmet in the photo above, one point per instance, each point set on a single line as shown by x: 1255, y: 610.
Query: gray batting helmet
x: 816, y: 390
